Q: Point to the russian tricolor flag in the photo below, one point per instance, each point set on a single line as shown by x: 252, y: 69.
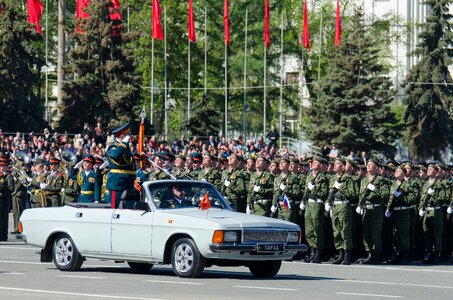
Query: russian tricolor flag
x: 286, y: 203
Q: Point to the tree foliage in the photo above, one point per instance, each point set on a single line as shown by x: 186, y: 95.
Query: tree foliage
x: 103, y: 86
x: 429, y: 86
x: 350, y: 105
x: 20, y: 64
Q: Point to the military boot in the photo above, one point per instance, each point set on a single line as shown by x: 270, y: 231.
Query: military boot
x: 429, y: 259
x: 318, y: 256
x: 367, y: 260
x: 340, y: 258
x: 311, y: 256
x: 347, y: 257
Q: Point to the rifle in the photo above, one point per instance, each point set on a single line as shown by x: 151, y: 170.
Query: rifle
x: 392, y: 198
x: 307, y: 194
x: 332, y: 195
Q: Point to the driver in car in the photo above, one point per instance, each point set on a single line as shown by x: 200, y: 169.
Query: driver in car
x: 177, y: 198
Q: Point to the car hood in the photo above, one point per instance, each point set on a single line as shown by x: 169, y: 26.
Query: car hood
x: 232, y: 219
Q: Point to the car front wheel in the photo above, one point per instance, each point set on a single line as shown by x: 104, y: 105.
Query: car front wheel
x: 186, y: 258
x: 265, y: 269
x: 66, y: 257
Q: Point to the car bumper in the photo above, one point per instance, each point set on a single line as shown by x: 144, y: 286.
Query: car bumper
x: 255, y: 248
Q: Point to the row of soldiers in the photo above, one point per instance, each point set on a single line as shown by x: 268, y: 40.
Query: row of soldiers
x: 391, y: 212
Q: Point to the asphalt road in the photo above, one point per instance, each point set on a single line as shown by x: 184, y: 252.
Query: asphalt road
x: 22, y: 276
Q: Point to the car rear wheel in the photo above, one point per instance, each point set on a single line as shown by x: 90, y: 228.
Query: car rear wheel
x: 265, y: 269
x: 66, y: 257
x: 140, y: 267
x: 186, y: 258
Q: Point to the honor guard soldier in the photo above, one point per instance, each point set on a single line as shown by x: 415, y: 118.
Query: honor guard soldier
x: 249, y: 168
x: 447, y: 234
x: 316, y: 192
x: 342, y: 191
x: 373, y: 192
x: 179, y: 169
x: 121, y: 166
x: 197, y: 159
x: 6, y: 186
x: 54, y: 183
x: 38, y: 197
x: 160, y: 159
x: 71, y: 188
x: 233, y: 188
x: 260, y: 189
x: 89, y: 181
x: 209, y: 173
x: 19, y: 195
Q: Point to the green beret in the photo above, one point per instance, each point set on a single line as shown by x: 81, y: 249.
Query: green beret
x: 341, y: 159
x: 212, y: 157
x: 294, y: 160
x: 319, y: 159
x: 442, y: 166
x: 285, y: 159
x: 352, y: 163
x: 263, y: 158
x: 181, y: 157
x: 375, y: 161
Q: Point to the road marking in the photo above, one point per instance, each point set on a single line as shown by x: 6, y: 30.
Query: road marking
x: 369, y: 295
x: 11, y: 273
x: 395, y: 283
x: 18, y: 248
x: 263, y: 288
x: 171, y: 282
x: 22, y: 262
x: 74, y: 294
x: 83, y: 277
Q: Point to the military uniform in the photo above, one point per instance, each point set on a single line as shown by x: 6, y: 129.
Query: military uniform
x: 291, y: 191
x: 6, y: 186
x: 19, y: 198
x: 71, y: 188
x: 54, y: 184
x: 38, y: 198
x: 260, y: 193
x: 211, y: 175
x: 233, y: 188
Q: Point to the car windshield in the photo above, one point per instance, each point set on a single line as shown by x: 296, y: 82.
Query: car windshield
x: 185, y: 194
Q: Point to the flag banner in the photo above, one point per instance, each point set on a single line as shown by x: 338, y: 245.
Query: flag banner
x: 81, y: 13
x: 286, y: 204
x: 205, y: 203
x: 338, y: 25
x: 115, y: 16
x: 157, y: 32
x: 306, y: 32
x: 226, y: 22
x: 35, y: 9
x: 267, y: 35
x: 191, y: 24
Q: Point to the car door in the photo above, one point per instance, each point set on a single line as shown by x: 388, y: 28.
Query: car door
x: 92, y: 229
x: 131, y: 232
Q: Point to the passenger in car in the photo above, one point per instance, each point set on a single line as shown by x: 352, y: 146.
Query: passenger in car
x: 176, y: 198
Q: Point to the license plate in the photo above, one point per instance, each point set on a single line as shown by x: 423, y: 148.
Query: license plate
x: 271, y: 247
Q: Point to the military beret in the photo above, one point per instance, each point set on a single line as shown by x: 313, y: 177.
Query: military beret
x: 408, y: 163
x: 309, y: 159
x: 266, y: 160
x: 375, y: 161
x: 422, y: 163
x: 294, y: 160
x: 352, y: 163
x: 318, y: 159
x: 340, y: 159
x: 359, y: 161
x: 433, y: 164
x: 392, y: 163
x: 212, y: 157
x: 442, y: 166
x: 181, y: 157
x: 285, y: 158
x: 252, y: 157
x: 274, y: 161
x: 402, y: 168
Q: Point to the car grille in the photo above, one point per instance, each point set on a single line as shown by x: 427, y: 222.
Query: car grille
x: 268, y: 235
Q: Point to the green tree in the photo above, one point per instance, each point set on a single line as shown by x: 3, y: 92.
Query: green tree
x: 104, y: 87
x: 20, y: 64
x: 429, y: 86
x: 350, y: 105
x: 204, y: 120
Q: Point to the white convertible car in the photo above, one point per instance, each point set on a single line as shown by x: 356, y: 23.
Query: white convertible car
x: 165, y: 225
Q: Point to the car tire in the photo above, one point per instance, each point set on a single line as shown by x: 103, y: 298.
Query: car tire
x: 140, y: 267
x: 265, y: 269
x: 186, y: 259
x: 66, y: 257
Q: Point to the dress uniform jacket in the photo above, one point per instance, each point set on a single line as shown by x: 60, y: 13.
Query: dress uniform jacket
x: 90, y: 186
x: 121, y: 166
x: 35, y: 185
x: 6, y: 186
x: 71, y: 188
x: 55, y: 182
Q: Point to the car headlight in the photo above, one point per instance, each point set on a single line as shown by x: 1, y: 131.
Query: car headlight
x: 293, y: 237
x: 221, y: 236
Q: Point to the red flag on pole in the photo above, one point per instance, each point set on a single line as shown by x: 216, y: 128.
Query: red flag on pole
x: 191, y: 24
x: 338, y: 27
x: 157, y: 32
x: 226, y: 22
x: 115, y: 16
x: 81, y: 14
x: 205, y: 203
x: 306, y: 32
x: 35, y: 9
x: 267, y: 35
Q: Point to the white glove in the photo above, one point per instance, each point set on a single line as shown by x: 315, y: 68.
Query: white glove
x: 371, y: 186
x: 248, y: 210
x: 62, y: 190
x: 449, y: 210
x: 421, y: 213
x: 328, y: 206
x: 310, y: 186
x: 126, y: 139
x: 43, y: 186
x: 282, y: 186
x: 273, y: 208
x: 104, y: 164
x: 388, y: 214
x: 331, y: 213
x: 29, y: 179
x: 227, y: 183
x: 337, y: 185
x: 256, y: 188
x: 359, y: 210
x: 302, y: 206
x: 78, y: 165
x: 430, y: 191
x: 396, y: 194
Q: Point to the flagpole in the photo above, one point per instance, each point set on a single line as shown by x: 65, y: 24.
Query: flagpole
x: 205, y: 47
x: 320, y: 46
x: 165, y: 72
x: 244, y: 125
x: 265, y: 94
x: 281, y: 81
x: 151, y: 110
x: 226, y: 92
x: 47, y: 71
x: 188, y: 81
